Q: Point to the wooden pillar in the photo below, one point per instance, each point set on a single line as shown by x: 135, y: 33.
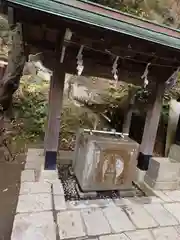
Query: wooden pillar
x: 150, y: 129
x: 54, y: 115
x: 128, y: 117
x: 1, y: 71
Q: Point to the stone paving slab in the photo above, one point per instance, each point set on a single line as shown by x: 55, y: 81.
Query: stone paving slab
x: 162, y: 196
x: 146, y: 200
x: 174, y: 209
x: 140, y: 217
x: 91, y: 238
x: 140, y: 235
x: 35, y: 187
x: 28, y: 175
x: 33, y: 165
x: 90, y: 204
x: 173, y: 195
x: 58, y: 188
x: 50, y: 176
x: 118, y: 220
x: 168, y: 233
x: 138, y: 200
x: 161, y: 215
x: 35, y: 152
x: 114, y: 237
x: 34, y: 161
x: 70, y: 225
x: 34, y: 203
x: 59, y: 203
x: 177, y: 229
x: 34, y: 226
x: 35, y: 157
x: 95, y: 222
x: 122, y: 201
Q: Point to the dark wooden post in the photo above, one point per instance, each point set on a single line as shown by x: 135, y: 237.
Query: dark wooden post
x: 150, y: 129
x: 128, y: 117
x: 2, y: 70
x: 54, y: 115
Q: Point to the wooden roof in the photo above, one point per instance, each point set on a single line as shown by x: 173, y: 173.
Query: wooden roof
x: 105, y: 34
x: 104, y: 17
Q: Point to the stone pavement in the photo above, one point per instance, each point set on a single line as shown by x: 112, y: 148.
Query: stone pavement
x: 43, y: 214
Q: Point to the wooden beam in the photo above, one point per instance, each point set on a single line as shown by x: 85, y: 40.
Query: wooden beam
x: 150, y: 129
x: 104, y: 38
x: 54, y: 115
x: 11, y: 16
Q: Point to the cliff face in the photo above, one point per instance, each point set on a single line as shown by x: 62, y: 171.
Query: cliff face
x: 160, y: 11
x: 4, y: 35
x: 163, y: 11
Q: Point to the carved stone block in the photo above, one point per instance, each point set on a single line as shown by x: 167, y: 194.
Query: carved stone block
x: 163, y: 173
x: 105, y: 162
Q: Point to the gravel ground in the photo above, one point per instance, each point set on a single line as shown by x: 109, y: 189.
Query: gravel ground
x: 69, y: 184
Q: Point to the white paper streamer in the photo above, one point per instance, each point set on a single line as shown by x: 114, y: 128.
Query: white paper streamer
x: 145, y: 75
x: 171, y: 82
x: 80, y: 66
x: 115, y: 69
x: 67, y: 37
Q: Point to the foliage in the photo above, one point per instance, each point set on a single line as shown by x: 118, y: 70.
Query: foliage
x: 31, y: 108
x: 73, y: 118
x: 163, y: 11
x: 8, y: 131
x: 30, y: 105
x: 120, y: 97
x: 132, y: 7
x: 113, y: 96
x: 4, y: 29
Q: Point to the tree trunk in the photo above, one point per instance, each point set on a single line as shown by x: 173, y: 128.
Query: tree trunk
x: 9, y: 83
x: 16, y: 61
